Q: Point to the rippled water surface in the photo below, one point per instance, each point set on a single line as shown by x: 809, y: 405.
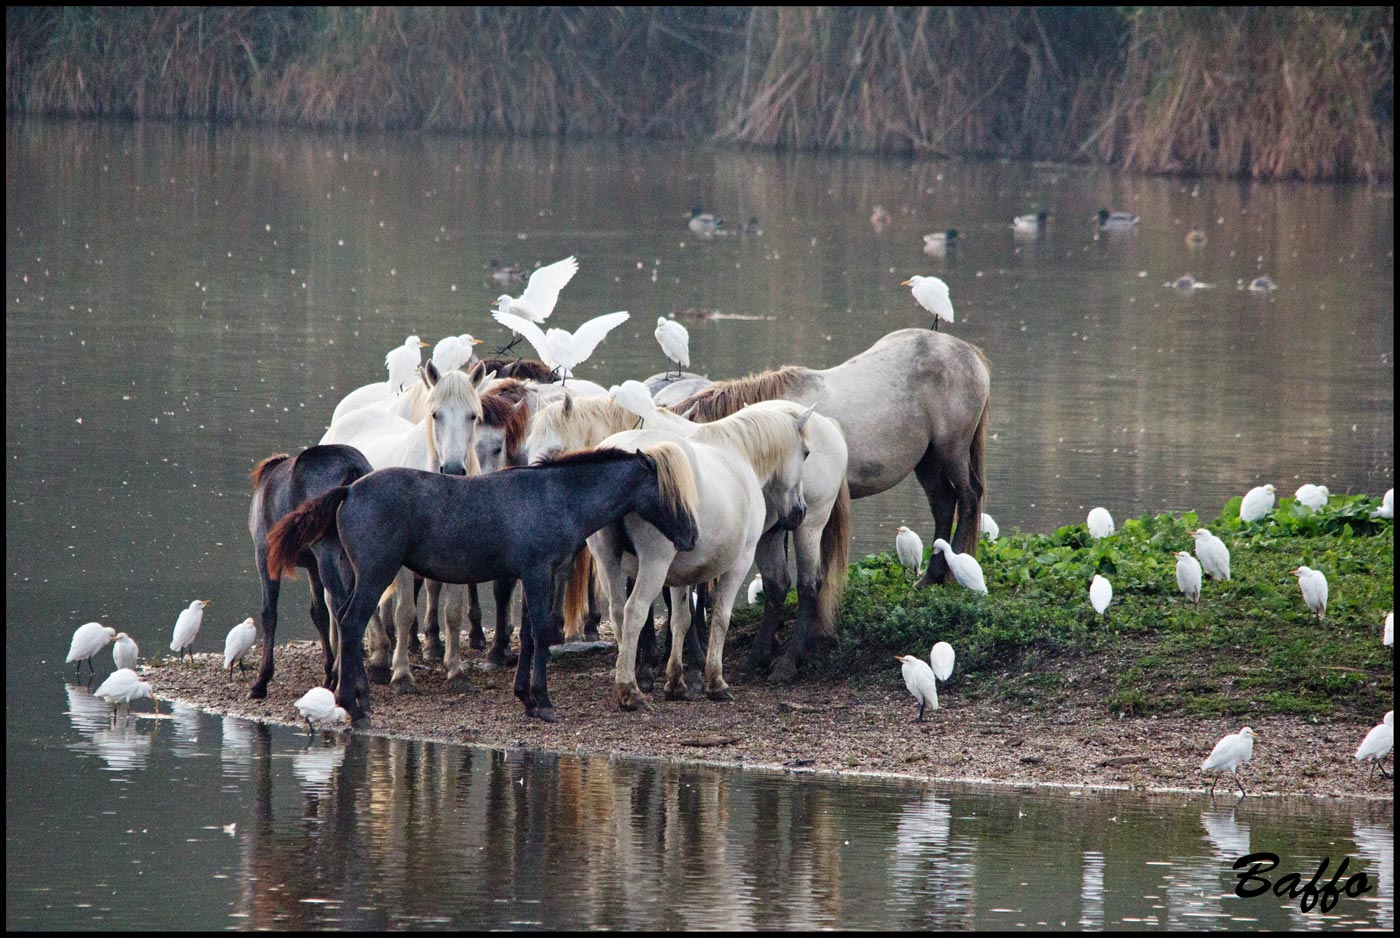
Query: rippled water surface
x: 182, y: 303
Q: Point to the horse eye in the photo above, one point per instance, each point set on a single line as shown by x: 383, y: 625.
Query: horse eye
x: 435, y: 415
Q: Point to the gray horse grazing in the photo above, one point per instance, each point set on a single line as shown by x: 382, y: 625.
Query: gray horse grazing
x: 915, y: 401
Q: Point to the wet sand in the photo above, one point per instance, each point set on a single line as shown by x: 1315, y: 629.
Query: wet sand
x: 861, y: 725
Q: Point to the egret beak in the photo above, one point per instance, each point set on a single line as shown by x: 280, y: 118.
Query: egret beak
x: 906, y: 283
x: 205, y: 602
x: 477, y: 341
x: 899, y: 658
x: 422, y: 344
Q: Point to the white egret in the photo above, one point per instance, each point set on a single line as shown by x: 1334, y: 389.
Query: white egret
x: 938, y: 243
x: 187, y: 626
x: 989, y: 527
x: 1387, y: 509
x: 633, y: 396
x: 932, y: 294
x: 909, y: 548
x: 1033, y: 223
x: 240, y: 638
x: 318, y: 705
x: 1378, y: 743
x: 1116, y: 221
x: 403, y: 362
x: 1188, y: 576
x: 919, y: 678
x: 1100, y: 593
x: 560, y: 348
x: 1213, y: 554
x: 88, y: 640
x: 454, y: 351
x: 1100, y: 523
x: 1257, y: 503
x: 966, y: 569
x: 941, y: 657
x: 755, y: 588
x: 122, y: 687
x: 124, y: 651
x: 1313, y: 496
x: 1229, y: 754
x: 1388, y: 632
x: 1314, y: 586
x: 541, y: 292
x: 674, y: 341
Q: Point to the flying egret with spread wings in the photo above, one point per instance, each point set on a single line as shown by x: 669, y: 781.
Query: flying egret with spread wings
x: 559, y: 348
x: 541, y: 292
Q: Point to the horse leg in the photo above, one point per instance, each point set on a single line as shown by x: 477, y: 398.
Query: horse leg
x: 647, y: 655
x: 270, y: 590
x: 335, y: 574
x: 434, y: 623
x: 808, y: 541
x: 352, y: 692
x: 539, y: 589
x: 454, y: 598
x: 969, y: 502
x: 499, y: 655
x: 321, y: 618
x: 405, y: 625
x: 477, y: 638
x: 379, y: 641
x: 771, y: 556
x: 680, y: 623
x: 651, y: 577
x: 943, y: 502
x: 725, y: 590
x: 595, y: 615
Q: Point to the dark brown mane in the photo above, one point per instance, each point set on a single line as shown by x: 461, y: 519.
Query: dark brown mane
x: 524, y: 369
x: 498, y: 409
x: 261, y: 468
x: 584, y: 457
x: 723, y: 398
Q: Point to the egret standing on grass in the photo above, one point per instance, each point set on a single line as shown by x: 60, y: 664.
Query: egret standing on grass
x: 1387, y: 509
x: 1100, y: 593
x: 124, y: 651
x: 989, y: 527
x: 1229, y: 754
x: 1188, y: 576
x: 1257, y: 503
x: 1313, y: 496
x: 909, y: 548
x: 966, y: 569
x: 123, y: 686
x: 1100, y: 523
x: 560, y: 348
x: 1378, y: 743
x: 932, y: 294
x: 1213, y: 554
x: 675, y: 342
x: 1314, y: 586
x: 187, y: 627
x: 240, y: 638
x: 318, y: 705
x: 88, y: 640
x: 541, y: 292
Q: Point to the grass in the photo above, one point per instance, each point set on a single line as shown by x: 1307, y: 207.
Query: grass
x: 1251, y: 645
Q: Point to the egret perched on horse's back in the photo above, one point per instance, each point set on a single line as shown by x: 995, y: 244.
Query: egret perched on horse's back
x: 1257, y: 503
x: 88, y: 640
x: 1188, y: 576
x: 1387, y: 509
x: 1213, y: 554
x: 1229, y: 754
x: 633, y: 396
x: 1100, y: 523
x: 318, y: 706
x: 990, y: 530
x: 966, y: 569
x: 932, y: 294
x: 124, y: 651
x: 1388, y: 631
x: 123, y: 686
x: 1313, y: 496
x: 560, y: 348
x: 541, y: 292
x: 187, y: 626
x: 454, y: 351
x: 910, y: 549
x: 402, y: 363
x: 920, y: 680
x: 1378, y: 743
x: 240, y: 638
x: 674, y: 341
x: 1314, y: 586
x: 755, y: 588
x: 1100, y: 593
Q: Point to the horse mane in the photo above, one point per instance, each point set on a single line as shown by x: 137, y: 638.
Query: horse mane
x: 590, y: 420
x: 581, y: 457
x: 726, y: 397
x: 498, y: 409
x: 525, y: 369
x: 256, y: 476
x: 762, y: 432
x: 675, y: 477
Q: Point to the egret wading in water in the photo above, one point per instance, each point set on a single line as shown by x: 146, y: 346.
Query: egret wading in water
x: 1377, y: 744
x: 966, y: 570
x: 675, y: 343
x: 240, y: 638
x: 1213, y: 554
x: 1188, y: 576
x: 122, y: 687
x: 559, y: 348
x: 1228, y: 755
x: 88, y: 640
x: 932, y: 294
x: 1257, y: 503
x: 909, y: 548
x: 1313, y: 496
x: 989, y: 527
x: 1100, y: 523
x: 1314, y: 586
x: 1100, y: 593
x: 124, y: 651
x: 541, y: 292
x: 1387, y: 509
x: 318, y: 706
x: 187, y: 627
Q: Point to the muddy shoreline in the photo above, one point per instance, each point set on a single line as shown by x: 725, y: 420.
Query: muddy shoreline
x: 863, y: 725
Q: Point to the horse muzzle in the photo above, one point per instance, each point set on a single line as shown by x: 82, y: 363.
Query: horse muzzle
x: 685, y: 541
x: 453, y: 469
x: 793, y: 519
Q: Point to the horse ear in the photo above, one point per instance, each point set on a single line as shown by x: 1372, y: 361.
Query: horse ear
x: 478, y: 374
x: 431, y: 376
x: 569, y: 404
x: 647, y: 460
x: 522, y: 405
x: 690, y: 414
x: 802, y: 421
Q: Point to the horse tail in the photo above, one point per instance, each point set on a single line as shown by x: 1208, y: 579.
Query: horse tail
x: 261, y: 469
x: 300, y: 529
x: 835, y: 554
x: 576, y: 594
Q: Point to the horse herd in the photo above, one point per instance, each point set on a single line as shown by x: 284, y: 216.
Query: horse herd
x: 489, y: 472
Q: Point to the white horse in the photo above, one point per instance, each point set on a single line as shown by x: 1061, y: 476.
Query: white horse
x: 737, y: 460
x: 445, y: 441
x: 400, y: 362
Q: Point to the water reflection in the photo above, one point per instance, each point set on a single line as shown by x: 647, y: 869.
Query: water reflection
x: 122, y: 745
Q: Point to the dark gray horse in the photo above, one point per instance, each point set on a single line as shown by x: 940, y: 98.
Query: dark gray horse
x: 280, y: 484
x: 525, y: 523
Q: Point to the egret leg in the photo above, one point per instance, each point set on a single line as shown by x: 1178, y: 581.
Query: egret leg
x: 309, y: 731
x: 921, y: 703
x: 1240, y: 783
x: 1212, y: 785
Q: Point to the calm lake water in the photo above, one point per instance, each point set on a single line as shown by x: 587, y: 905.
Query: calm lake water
x: 180, y: 304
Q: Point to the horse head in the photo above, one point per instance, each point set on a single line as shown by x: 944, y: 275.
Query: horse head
x: 671, y: 504
x: 454, y: 417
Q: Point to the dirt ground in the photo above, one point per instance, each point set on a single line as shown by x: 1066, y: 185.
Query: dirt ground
x: 864, y: 725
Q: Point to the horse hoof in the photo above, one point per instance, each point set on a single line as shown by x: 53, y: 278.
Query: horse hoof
x: 404, y: 685
x: 722, y: 695
x: 459, y: 684
x: 646, y: 683
x: 378, y: 674
x: 257, y: 693
x: 477, y: 642
x: 433, y: 653
x: 362, y: 723
x: 678, y: 692
x: 546, y: 714
x: 784, y: 672
x: 591, y: 634
x: 630, y: 698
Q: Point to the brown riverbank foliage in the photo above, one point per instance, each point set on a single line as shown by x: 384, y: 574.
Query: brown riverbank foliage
x: 1258, y: 92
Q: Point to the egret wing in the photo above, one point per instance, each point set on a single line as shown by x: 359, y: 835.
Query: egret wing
x: 530, y: 331
x: 588, y: 335
x: 542, y: 290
